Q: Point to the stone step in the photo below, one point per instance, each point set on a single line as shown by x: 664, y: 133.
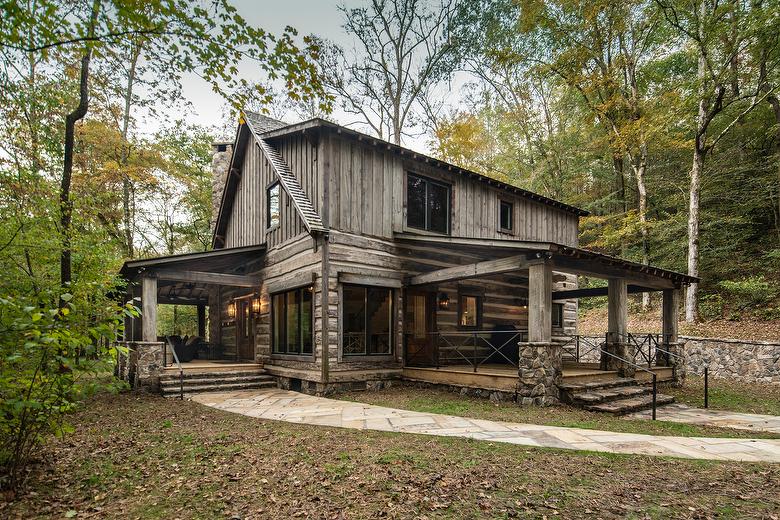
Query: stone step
x: 216, y: 379
x: 597, y: 384
x: 633, y: 404
x: 173, y: 375
x: 606, y: 395
x: 169, y: 391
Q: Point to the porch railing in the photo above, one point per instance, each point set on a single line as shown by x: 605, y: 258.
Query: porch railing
x: 474, y: 348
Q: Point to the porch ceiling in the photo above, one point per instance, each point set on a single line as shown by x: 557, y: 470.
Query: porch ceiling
x: 562, y: 258
x: 185, y: 279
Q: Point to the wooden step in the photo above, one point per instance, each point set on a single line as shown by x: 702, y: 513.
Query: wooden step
x: 606, y: 395
x: 596, y: 384
x: 207, y: 373
x: 216, y: 379
x: 174, y: 391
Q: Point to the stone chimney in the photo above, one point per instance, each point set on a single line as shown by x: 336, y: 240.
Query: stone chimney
x: 220, y: 163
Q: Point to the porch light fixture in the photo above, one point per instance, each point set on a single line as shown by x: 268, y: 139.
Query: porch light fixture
x: 256, y: 304
x: 231, y: 310
x: 444, y: 301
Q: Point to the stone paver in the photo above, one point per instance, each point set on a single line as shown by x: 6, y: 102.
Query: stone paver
x: 707, y: 417
x: 282, y: 405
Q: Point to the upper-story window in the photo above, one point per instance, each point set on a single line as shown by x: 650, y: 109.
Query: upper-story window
x: 273, y: 205
x: 505, y: 214
x: 427, y: 204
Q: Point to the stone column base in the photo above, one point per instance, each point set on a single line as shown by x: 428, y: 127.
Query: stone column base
x: 678, y: 361
x: 539, y: 371
x: 622, y: 350
x: 142, y: 366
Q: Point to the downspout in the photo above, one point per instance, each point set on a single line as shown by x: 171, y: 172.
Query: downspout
x: 325, y: 280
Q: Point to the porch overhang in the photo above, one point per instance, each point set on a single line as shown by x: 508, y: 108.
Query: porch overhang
x: 521, y: 254
x: 186, y: 279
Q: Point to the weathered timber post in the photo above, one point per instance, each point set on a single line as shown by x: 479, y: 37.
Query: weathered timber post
x: 617, y: 340
x: 671, y: 342
x: 539, y: 360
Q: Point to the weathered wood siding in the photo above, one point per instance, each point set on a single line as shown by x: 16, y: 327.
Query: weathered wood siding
x: 368, y: 197
x: 247, y: 223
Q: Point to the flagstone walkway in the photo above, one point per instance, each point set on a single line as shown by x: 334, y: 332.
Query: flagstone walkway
x: 708, y: 417
x: 282, y: 405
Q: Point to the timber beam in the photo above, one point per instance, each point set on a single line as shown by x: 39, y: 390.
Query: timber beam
x: 591, y: 292
x: 233, y: 280
x: 463, y: 272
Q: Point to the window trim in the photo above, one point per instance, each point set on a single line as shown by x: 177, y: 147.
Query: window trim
x: 461, y: 297
x: 428, y: 180
x: 511, y: 227
x: 557, y: 313
x: 272, y: 334
x: 268, y: 225
x: 391, y: 333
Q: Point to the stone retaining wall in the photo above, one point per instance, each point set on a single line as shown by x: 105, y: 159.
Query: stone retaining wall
x: 142, y: 365
x: 747, y: 361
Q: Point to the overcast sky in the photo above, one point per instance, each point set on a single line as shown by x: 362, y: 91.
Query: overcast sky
x: 308, y: 16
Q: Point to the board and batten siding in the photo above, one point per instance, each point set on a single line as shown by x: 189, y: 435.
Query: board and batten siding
x: 368, y: 197
x: 247, y: 224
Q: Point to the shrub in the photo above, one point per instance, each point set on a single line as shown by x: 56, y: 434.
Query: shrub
x: 750, y: 292
x: 711, y: 306
x: 51, y: 359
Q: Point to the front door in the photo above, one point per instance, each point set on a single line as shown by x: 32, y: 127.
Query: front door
x: 419, y: 328
x: 245, y: 334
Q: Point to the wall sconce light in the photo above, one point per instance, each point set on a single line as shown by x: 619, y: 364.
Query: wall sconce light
x: 231, y: 310
x: 444, y: 301
x: 256, y: 304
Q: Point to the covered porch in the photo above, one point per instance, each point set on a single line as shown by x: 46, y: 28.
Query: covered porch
x: 535, y: 351
x: 226, y: 302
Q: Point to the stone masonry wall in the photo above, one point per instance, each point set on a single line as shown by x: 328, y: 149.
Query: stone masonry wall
x: 142, y: 366
x: 540, y: 371
x: 747, y: 361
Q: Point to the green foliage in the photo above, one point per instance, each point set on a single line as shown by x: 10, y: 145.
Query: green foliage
x: 711, y: 306
x: 51, y: 359
x: 753, y: 291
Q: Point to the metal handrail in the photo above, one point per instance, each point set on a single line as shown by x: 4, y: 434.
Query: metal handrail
x: 169, y: 345
x: 473, y: 358
x: 655, y: 377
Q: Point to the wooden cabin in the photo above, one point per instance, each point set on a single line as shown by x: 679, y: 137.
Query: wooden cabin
x: 342, y: 261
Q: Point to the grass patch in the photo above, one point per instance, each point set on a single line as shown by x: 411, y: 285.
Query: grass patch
x: 725, y: 394
x: 214, y: 464
x: 450, y: 403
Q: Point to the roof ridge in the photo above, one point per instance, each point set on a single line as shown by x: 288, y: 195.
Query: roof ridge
x: 311, y: 219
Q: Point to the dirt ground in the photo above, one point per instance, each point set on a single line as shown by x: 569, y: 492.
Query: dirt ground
x: 147, y: 457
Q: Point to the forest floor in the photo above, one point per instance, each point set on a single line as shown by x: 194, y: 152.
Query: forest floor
x: 594, y: 322
x: 149, y: 457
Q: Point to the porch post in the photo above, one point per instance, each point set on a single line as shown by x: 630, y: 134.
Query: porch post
x: 617, y: 342
x: 539, y: 359
x: 539, y: 303
x: 671, y: 343
x: 149, y: 308
x: 201, y: 320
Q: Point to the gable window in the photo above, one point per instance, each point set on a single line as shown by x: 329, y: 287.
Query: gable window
x: 273, y: 204
x: 505, y: 214
x: 427, y: 204
x: 367, y: 320
x: 291, y: 322
x: 557, y: 315
x: 469, y: 311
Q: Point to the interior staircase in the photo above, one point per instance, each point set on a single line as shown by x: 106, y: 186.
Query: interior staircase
x: 228, y: 379
x: 611, y: 394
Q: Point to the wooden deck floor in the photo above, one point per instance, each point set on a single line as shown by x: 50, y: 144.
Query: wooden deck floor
x: 207, y: 365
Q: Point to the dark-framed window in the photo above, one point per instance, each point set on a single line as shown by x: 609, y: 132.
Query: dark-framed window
x: 292, y: 314
x: 505, y: 214
x: 557, y: 315
x: 469, y: 311
x: 427, y: 204
x: 273, y: 204
x: 367, y: 320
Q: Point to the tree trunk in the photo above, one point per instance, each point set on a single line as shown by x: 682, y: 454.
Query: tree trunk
x: 66, y: 205
x: 127, y: 189
x: 691, y: 302
x: 640, y: 171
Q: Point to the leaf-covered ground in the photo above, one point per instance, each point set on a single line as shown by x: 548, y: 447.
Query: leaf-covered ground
x: 146, y: 457
x: 594, y: 322
x: 433, y: 400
